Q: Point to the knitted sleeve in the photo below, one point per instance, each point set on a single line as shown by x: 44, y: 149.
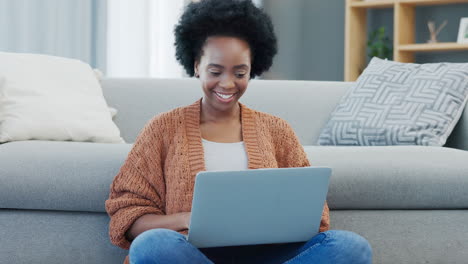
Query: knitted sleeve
x: 290, y: 153
x: 139, y: 186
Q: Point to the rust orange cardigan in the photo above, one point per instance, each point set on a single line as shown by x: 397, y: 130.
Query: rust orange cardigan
x: 158, y: 174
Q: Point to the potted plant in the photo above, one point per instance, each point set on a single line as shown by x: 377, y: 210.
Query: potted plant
x: 379, y: 45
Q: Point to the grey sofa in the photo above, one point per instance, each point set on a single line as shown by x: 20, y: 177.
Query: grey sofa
x: 410, y: 202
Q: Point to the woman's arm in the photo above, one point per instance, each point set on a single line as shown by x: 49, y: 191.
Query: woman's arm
x: 139, y: 188
x: 176, y: 222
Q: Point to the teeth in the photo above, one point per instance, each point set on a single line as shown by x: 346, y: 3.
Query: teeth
x: 224, y: 96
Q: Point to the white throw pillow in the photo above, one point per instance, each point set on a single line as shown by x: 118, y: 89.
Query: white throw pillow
x: 52, y: 98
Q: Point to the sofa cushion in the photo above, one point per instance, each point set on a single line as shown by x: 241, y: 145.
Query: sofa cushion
x: 394, y: 103
x: 295, y: 101
x: 53, y: 175
x: 306, y: 105
x: 76, y: 176
x: 394, y: 177
x: 459, y: 137
x: 52, y: 98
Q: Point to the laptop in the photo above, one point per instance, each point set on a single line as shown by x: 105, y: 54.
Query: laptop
x: 259, y: 206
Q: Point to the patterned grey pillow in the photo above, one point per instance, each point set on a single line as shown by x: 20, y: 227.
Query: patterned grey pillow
x: 395, y: 103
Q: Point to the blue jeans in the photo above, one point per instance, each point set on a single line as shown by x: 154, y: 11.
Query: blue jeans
x: 333, y: 246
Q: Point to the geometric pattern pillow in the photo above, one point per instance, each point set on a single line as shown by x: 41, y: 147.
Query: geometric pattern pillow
x: 394, y: 103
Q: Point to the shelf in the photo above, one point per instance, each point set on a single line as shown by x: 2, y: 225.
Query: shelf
x: 404, y: 46
x: 390, y: 3
x: 431, y: 2
x: 373, y: 4
x: 443, y: 46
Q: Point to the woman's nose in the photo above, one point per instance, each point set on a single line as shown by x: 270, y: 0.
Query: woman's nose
x: 227, y: 83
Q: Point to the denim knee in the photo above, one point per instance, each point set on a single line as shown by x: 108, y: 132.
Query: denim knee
x: 153, y: 244
x: 351, y: 244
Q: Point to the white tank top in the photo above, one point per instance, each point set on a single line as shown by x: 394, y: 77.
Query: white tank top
x: 225, y: 156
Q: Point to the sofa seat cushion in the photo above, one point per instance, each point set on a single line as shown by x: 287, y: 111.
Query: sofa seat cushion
x: 394, y: 177
x: 58, y: 175
x: 76, y: 176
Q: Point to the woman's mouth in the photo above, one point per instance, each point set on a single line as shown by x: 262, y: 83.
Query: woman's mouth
x: 224, y: 97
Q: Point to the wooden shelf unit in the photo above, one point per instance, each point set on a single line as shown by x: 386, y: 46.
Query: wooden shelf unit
x: 404, y: 32
x: 372, y: 4
x: 427, y: 47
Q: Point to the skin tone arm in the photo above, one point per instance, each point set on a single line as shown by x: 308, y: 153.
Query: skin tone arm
x: 176, y: 222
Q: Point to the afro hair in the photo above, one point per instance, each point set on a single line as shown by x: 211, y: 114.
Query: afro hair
x: 235, y: 18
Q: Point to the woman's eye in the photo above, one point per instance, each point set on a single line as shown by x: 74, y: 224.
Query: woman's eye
x: 215, y: 73
x: 240, y: 75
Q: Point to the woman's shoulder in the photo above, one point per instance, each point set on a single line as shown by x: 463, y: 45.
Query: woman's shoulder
x: 162, y: 126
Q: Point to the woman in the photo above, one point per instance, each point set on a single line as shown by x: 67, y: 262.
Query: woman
x: 224, y: 43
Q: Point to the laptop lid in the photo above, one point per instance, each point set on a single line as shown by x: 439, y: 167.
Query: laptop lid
x: 257, y: 206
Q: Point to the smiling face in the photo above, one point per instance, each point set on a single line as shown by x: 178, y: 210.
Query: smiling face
x: 224, y: 71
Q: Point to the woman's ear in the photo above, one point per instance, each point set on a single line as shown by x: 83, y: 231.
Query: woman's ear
x: 195, y: 69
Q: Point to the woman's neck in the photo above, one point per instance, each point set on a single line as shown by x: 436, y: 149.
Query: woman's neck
x: 209, y: 114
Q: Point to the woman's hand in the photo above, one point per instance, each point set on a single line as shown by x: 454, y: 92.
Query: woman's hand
x: 176, y: 222
x: 185, y: 219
